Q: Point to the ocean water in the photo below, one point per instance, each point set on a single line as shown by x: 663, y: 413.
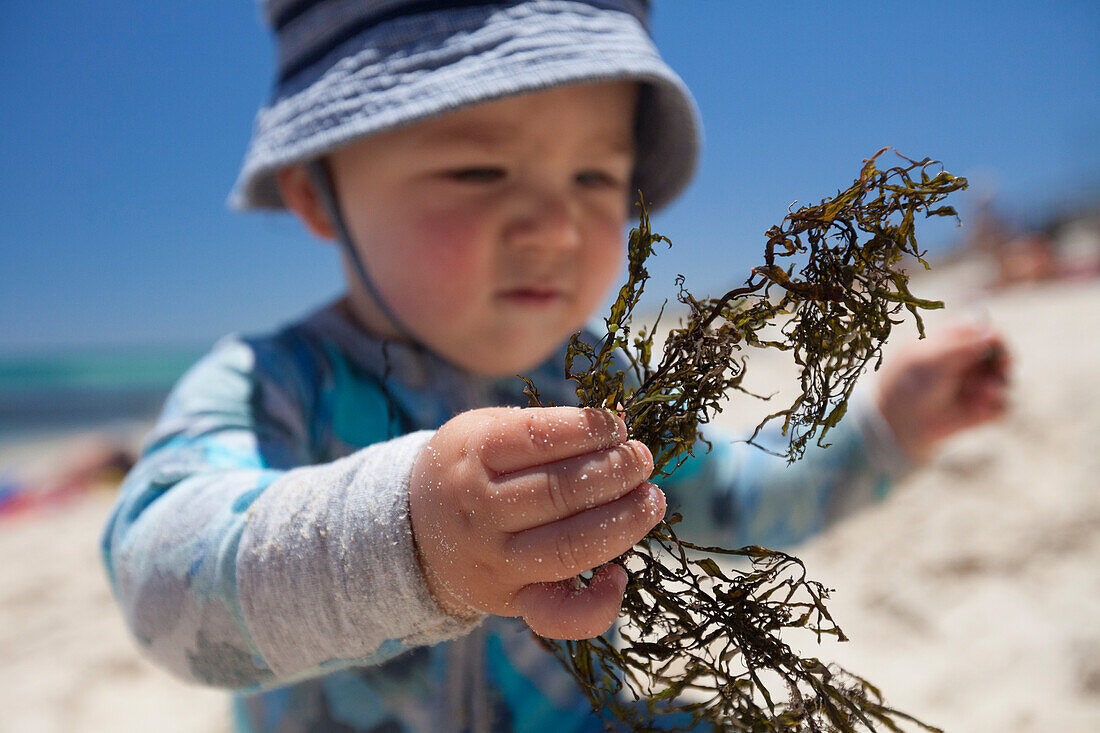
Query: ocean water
x: 86, y: 390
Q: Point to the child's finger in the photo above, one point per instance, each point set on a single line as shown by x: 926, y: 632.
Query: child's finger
x: 563, y: 610
x: 524, y: 438
x: 562, y: 549
x: 543, y: 494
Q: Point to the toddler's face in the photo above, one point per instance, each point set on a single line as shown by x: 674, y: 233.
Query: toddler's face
x: 493, y: 232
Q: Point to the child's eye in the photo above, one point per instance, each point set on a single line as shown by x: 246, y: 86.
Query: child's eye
x: 476, y: 175
x: 598, y: 179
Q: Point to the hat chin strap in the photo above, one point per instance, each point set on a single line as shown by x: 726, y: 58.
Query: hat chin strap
x: 322, y: 182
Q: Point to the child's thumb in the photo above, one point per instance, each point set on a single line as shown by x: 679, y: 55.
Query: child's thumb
x: 567, y: 610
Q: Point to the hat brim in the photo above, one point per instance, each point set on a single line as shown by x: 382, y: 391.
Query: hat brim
x: 381, y: 80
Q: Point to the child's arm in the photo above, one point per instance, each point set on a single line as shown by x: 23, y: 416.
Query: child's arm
x: 235, y: 567
x: 738, y: 495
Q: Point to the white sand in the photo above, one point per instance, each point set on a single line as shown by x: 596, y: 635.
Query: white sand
x: 972, y: 596
x: 66, y: 661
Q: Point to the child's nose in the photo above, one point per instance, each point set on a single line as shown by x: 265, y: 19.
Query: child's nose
x: 546, y: 221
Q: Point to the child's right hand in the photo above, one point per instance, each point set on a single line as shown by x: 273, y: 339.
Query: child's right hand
x: 508, y: 505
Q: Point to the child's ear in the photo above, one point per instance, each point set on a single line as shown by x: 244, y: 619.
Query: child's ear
x: 300, y: 196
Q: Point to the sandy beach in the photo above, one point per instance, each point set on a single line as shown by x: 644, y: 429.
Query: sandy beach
x: 972, y: 596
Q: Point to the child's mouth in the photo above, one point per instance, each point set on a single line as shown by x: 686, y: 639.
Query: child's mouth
x: 531, y: 297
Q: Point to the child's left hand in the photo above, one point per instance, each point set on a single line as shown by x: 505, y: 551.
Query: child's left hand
x: 955, y: 379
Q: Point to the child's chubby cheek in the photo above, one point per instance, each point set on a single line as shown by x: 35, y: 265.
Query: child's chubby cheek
x: 450, y: 243
x: 445, y: 261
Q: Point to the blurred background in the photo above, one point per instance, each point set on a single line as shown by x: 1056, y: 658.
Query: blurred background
x: 972, y: 598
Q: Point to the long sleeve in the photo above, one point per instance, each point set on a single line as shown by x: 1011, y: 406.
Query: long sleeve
x: 737, y: 495
x: 238, y: 564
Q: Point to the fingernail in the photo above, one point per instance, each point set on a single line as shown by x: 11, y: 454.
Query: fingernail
x: 619, y: 423
x: 655, y: 495
x: 640, y: 449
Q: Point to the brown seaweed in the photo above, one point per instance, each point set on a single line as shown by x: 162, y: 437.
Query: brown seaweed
x: 702, y: 643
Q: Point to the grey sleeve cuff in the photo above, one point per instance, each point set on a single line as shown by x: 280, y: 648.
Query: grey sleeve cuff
x: 327, y: 569
x: 883, y: 451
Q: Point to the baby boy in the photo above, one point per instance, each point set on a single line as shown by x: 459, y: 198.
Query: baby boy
x: 342, y: 521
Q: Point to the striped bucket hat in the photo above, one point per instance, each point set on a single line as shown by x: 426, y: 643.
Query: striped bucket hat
x: 352, y: 68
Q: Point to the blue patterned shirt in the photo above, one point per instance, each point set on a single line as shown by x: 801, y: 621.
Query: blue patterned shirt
x: 262, y: 543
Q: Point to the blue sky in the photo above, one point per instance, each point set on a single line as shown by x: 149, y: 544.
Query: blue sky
x: 124, y: 122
